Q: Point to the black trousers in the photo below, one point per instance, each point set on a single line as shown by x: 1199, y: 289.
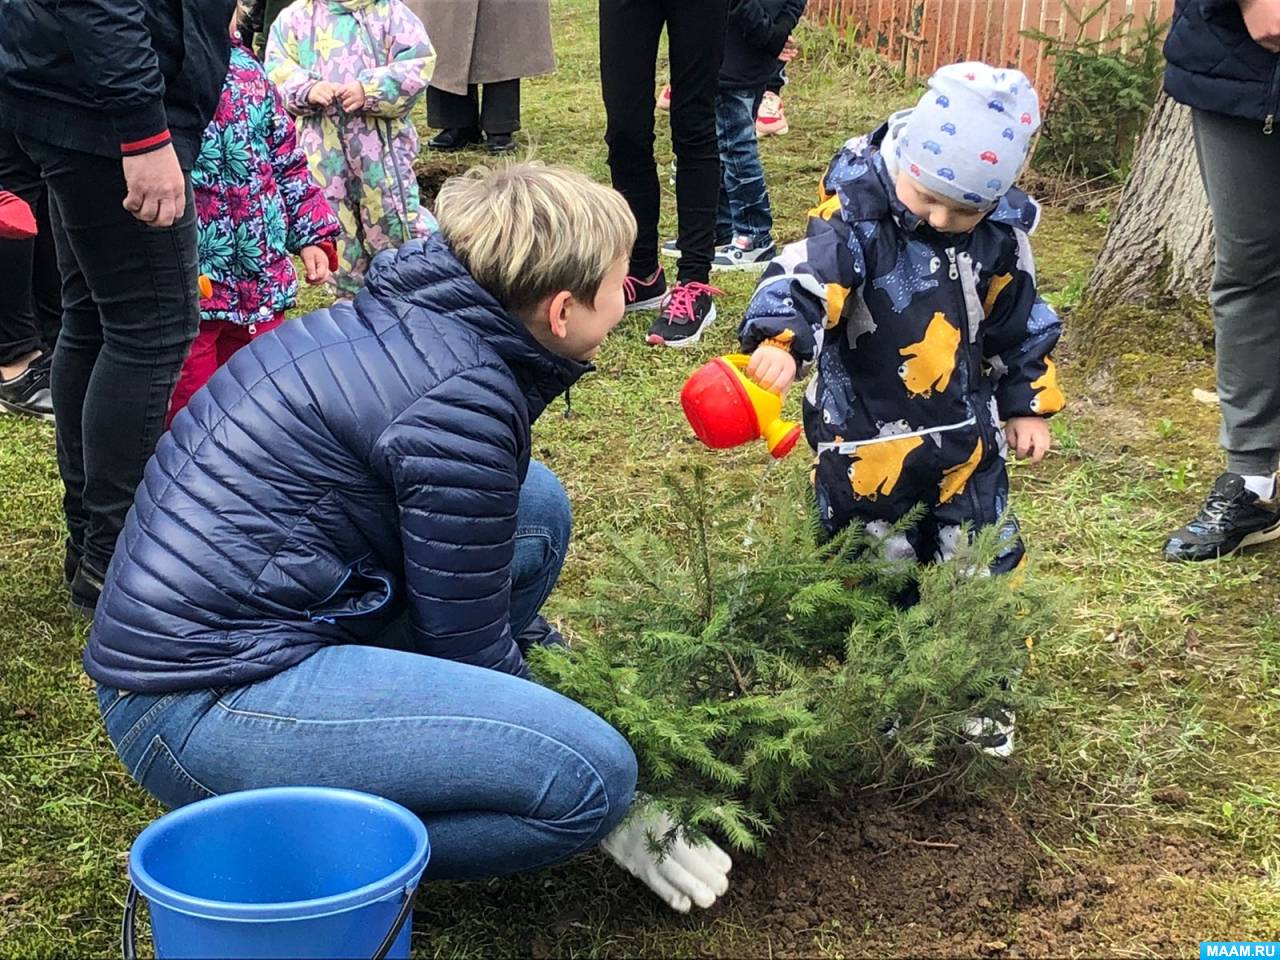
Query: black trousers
x: 130, y: 310
x: 629, y: 33
x: 30, y: 288
x: 493, y: 108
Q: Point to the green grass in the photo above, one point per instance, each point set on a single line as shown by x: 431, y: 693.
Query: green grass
x: 1167, y: 676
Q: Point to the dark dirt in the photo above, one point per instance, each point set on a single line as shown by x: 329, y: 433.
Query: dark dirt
x: 965, y: 881
x: 861, y: 878
x: 432, y: 173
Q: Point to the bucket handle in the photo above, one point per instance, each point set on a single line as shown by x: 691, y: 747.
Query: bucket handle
x: 129, y: 941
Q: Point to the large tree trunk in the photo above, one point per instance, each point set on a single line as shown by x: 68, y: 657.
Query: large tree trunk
x: 1161, y: 240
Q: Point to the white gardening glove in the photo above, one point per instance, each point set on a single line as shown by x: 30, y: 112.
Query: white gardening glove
x: 689, y: 873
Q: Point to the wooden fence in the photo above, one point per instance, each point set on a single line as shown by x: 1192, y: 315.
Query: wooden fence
x: 922, y: 35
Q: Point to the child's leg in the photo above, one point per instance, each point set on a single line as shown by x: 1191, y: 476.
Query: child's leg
x: 352, y: 259
x: 978, y: 496
x: 235, y: 337
x: 743, y: 174
x: 724, y: 215
x: 629, y: 33
x: 199, y: 366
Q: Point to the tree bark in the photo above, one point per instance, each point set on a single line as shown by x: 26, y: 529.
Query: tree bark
x: 1160, y: 243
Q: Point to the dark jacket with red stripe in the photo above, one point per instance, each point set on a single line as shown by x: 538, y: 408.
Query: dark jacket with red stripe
x: 113, y: 77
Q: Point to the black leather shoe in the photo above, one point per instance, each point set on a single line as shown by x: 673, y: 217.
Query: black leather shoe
x: 455, y: 138
x: 498, y: 143
x: 86, y: 588
x: 1232, y: 517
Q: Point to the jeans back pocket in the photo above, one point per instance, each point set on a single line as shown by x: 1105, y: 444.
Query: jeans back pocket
x: 161, y: 774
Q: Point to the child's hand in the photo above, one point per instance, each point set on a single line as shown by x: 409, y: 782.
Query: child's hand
x: 321, y: 93
x: 1028, y: 437
x: 316, y: 260
x: 773, y: 368
x: 351, y: 96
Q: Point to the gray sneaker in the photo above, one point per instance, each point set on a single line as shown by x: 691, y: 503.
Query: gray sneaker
x: 743, y: 255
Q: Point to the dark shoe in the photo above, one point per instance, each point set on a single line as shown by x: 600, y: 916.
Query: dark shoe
x: 70, y: 564
x: 499, y: 143
x: 86, y: 588
x: 1232, y: 517
x: 688, y: 310
x: 28, y: 393
x: 645, y: 294
x: 741, y: 254
x: 456, y: 138
x: 540, y: 633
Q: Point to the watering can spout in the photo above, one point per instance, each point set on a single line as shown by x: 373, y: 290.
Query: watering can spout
x: 727, y: 409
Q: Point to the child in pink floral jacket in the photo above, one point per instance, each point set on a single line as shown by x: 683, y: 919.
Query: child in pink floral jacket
x: 256, y: 203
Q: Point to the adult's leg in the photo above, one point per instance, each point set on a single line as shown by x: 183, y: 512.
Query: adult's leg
x: 1235, y: 155
x: 507, y: 775
x: 130, y: 310
x: 629, y: 33
x: 452, y: 111
x: 695, y: 30
x: 500, y: 107
x: 543, y: 526
x: 743, y: 175
x: 21, y: 338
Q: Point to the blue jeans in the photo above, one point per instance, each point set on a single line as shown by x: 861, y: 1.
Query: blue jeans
x: 744, y: 198
x: 507, y: 775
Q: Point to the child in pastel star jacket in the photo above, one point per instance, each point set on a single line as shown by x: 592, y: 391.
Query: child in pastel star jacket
x: 914, y: 295
x: 351, y: 71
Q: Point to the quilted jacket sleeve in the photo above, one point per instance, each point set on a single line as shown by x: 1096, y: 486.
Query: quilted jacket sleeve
x: 391, y: 90
x: 453, y: 459
x: 802, y: 293
x: 1020, y: 331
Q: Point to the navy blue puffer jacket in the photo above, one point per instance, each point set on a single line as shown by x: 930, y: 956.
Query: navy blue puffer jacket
x: 1215, y: 65
x: 357, y: 464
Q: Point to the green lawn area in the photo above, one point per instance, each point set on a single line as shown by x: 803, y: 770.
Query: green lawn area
x: 1142, y: 814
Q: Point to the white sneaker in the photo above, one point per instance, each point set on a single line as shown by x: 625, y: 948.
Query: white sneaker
x: 992, y: 736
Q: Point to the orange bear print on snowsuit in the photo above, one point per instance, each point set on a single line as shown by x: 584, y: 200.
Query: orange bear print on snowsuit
x: 931, y: 361
x: 877, y: 467
x: 1049, y: 398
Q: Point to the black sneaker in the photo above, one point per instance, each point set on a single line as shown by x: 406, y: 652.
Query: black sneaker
x: 86, y: 588
x: 1233, y: 516
x: 455, y: 138
x: 688, y: 310
x: 499, y: 143
x: 645, y: 294
x: 28, y: 393
x: 540, y: 633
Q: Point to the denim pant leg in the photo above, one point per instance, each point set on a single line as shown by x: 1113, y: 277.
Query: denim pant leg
x: 743, y: 183
x: 543, y: 526
x: 130, y: 311
x: 507, y: 775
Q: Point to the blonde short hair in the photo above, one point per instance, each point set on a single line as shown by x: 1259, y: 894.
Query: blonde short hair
x: 528, y: 231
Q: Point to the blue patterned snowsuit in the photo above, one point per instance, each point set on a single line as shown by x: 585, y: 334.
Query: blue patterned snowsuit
x: 923, y: 343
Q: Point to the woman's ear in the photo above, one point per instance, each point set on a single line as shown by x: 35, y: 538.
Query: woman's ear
x: 558, y: 313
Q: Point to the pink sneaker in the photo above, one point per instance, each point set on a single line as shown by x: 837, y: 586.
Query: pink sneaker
x: 664, y: 98
x: 770, y: 120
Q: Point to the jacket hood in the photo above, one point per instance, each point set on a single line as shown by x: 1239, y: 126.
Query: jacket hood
x: 427, y: 275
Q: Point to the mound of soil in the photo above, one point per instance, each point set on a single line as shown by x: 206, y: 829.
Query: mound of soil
x: 966, y: 880
x: 433, y: 172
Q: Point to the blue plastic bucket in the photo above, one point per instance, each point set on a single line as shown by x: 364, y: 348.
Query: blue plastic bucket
x: 280, y: 872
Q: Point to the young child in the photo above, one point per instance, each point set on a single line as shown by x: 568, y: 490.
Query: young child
x: 256, y: 204
x: 351, y: 71
x: 757, y: 34
x: 914, y: 294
